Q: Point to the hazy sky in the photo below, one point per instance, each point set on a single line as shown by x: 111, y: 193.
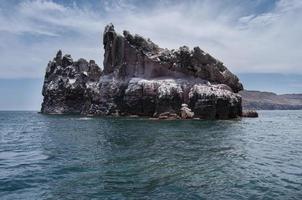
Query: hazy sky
x: 249, y: 36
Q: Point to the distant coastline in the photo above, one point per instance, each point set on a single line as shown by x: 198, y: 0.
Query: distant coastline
x: 258, y: 100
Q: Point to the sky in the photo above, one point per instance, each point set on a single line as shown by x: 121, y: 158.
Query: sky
x: 259, y: 40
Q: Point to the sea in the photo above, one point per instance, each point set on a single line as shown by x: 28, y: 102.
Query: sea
x: 76, y: 157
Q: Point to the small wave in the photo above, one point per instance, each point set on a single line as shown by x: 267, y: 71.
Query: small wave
x: 85, y: 118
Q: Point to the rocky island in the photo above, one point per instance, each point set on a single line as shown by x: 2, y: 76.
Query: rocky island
x: 140, y: 78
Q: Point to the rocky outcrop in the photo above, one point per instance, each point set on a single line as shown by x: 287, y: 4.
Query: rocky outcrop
x: 168, y: 116
x: 134, y: 56
x: 140, y: 78
x: 67, y: 83
x: 185, y: 112
x: 250, y: 114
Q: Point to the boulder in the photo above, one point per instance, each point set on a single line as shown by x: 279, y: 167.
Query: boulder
x: 250, y: 113
x: 185, y: 112
x: 168, y: 116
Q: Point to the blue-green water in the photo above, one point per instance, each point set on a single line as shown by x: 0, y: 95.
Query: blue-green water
x: 73, y: 157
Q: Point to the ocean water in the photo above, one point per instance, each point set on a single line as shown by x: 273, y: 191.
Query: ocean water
x: 74, y: 157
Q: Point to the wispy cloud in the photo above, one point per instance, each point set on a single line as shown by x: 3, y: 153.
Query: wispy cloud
x: 245, y: 39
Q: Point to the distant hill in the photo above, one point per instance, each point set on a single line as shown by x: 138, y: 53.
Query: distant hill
x: 270, y: 101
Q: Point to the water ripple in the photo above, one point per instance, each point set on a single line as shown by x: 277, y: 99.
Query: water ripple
x: 72, y: 157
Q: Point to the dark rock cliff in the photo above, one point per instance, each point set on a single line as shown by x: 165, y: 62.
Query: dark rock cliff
x: 66, y: 84
x: 140, y: 78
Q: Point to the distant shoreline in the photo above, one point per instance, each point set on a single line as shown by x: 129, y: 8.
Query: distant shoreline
x: 258, y: 100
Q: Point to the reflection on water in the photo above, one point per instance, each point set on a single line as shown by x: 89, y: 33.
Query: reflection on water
x: 71, y: 157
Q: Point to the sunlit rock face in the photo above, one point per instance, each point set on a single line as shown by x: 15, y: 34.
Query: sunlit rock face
x: 140, y: 78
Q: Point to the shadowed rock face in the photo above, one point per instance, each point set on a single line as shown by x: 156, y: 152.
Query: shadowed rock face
x: 140, y: 78
x: 66, y: 84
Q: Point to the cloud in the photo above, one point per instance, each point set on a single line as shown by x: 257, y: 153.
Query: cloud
x: 243, y: 37
x: 49, y: 18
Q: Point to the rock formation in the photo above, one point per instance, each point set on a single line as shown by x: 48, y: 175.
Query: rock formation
x: 250, y: 113
x: 67, y: 84
x: 185, y: 112
x: 140, y: 78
